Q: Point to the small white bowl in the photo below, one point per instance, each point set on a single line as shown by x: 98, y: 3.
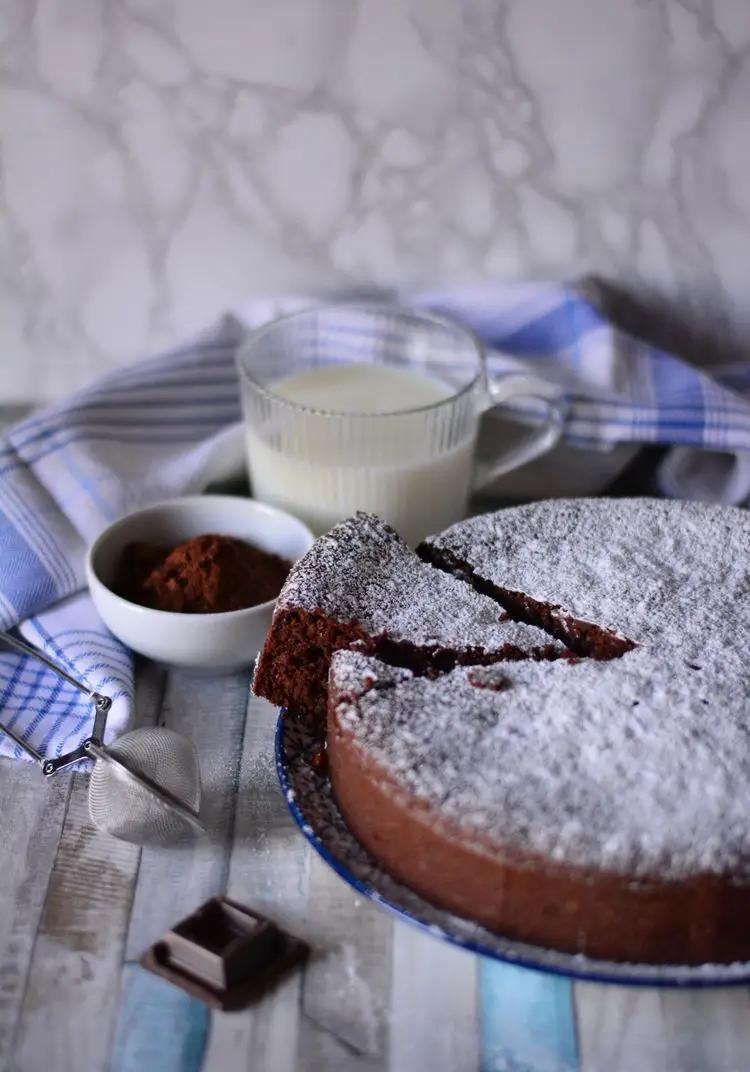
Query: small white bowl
x: 215, y: 642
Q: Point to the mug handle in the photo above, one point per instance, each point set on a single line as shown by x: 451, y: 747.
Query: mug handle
x: 501, y: 389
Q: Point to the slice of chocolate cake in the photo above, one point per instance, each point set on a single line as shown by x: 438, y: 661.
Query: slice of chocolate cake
x: 361, y: 585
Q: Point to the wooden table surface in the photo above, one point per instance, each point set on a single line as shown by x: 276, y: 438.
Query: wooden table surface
x: 77, y: 908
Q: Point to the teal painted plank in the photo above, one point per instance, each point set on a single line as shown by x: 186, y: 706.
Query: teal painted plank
x: 160, y: 1028
x: 527, y: 1020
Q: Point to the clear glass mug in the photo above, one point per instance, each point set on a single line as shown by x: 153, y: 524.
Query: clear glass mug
x: 413, y: 465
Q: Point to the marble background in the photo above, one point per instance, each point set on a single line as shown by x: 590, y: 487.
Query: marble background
x: 164, y: 159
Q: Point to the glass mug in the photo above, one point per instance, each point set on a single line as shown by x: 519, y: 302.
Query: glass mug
x: 326, y: 437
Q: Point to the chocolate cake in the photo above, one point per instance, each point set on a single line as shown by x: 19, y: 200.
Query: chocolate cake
x: 595, y: 803
x: 598, y: 808
x: 362, y: 585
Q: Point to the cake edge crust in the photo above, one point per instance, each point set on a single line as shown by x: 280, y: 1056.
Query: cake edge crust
x: 530, y: 898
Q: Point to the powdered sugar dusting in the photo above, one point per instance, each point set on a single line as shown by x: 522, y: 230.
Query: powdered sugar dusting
x: 672, y: 576
x: 362, y: 570
x: 623, y: 766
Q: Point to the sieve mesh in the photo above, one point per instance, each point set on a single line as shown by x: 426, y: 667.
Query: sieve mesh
x: 124, y: 808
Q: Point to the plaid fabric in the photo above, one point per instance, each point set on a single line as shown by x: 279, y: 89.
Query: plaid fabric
x: 168, y: 426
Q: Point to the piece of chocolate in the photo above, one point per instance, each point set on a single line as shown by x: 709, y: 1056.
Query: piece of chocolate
x: 224, y: 954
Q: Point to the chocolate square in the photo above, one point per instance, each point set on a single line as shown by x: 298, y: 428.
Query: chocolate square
x: 224, y: 954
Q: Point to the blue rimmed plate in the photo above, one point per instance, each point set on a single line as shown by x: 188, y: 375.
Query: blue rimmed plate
x: 308, y: 795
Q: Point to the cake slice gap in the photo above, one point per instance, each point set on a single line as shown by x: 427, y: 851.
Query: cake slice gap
x: 584, y: 638
x: 361, y: 586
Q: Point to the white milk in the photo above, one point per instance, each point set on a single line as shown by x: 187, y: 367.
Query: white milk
x: 324, y: 469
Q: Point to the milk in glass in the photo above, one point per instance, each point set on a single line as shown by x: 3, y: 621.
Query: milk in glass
x: 388, y: 457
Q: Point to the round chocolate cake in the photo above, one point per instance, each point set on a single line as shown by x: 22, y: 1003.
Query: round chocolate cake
x: 595, y: 801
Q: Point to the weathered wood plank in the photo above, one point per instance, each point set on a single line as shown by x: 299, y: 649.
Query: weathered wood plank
x: 434, y: 1016
x: 73, y: 982
x: 270, y: 862
x: 74, y: 976
x: 527, y: 1019
x: 269, y: 871
x: 322, y: 1050
x: 347, y: 985
x: 263, y: 1037
x: 623, y: 1028
x: 173, y: 882
x: 32, y: 810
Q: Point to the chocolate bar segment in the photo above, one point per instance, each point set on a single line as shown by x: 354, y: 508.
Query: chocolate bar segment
x: 224, y: 954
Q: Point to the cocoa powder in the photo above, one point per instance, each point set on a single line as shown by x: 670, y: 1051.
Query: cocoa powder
x: 204, y: 575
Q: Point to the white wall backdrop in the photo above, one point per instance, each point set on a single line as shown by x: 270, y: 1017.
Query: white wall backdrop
x: 163, y: 159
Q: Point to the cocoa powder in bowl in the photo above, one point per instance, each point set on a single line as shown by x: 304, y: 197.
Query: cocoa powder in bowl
x: 204, y: 575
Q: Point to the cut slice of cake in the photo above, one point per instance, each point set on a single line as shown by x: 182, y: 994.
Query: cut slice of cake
x: 361, y: 585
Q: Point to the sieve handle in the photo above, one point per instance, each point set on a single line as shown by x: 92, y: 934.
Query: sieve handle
x: 93, y: 748
x: 26, y: 649
x: 22, y: 744
x: 101, y: 703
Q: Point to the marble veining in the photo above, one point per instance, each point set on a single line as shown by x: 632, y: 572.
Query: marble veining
x: 165, y: 159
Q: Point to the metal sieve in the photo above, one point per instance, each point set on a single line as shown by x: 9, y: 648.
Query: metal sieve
x: 145, y: 788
